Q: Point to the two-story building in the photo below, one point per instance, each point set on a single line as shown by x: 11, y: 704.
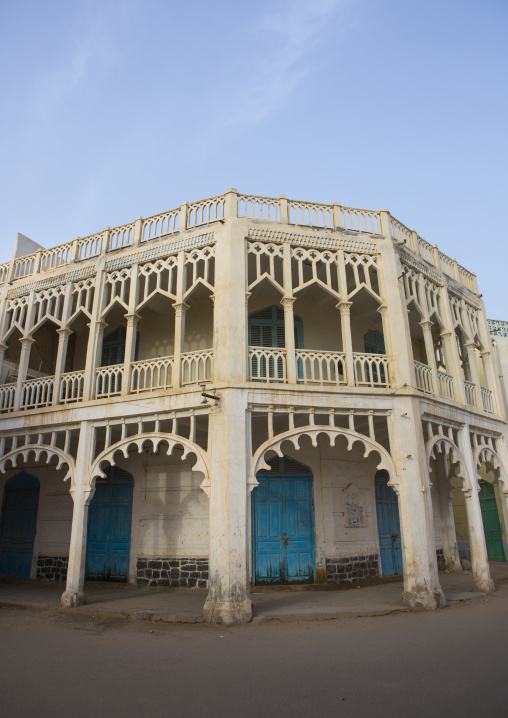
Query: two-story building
x: 246, y: 390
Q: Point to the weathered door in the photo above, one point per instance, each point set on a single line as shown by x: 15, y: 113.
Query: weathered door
x: 491, y: 523
x: 387, y: 508
x: 283, y: 524
x: 109, y: 528
x: 17, y: 525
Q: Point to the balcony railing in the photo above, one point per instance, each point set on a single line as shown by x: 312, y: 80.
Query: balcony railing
x: 71, y: 387
x: 197, y: 367
x: 470, y: 389
x: 108, y: 381
x: 323, y: 368
x: 371, y: 370
x: 7, y: 394
x: 424, y: 377
x: 445, y: 385
x: 36, y: 393
x: 266, y: 364
x: 487, y: 399
x: 152, y: 374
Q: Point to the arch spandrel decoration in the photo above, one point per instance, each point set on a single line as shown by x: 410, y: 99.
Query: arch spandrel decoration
x: 484, y: 453
x: 443, y: 443
x: 313, y: 432
x: 38, y: 450
x: 139, y: 440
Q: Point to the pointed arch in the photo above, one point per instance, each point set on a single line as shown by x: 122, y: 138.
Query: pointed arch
x: 139, y: 441
x: 313, y: 432
x: 485, y: 453
x: 445, y: 444
x: 38, y: 450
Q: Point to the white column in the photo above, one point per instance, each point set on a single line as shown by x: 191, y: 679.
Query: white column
x: 289, y: 329
x: 347, y: 341
x: 81, y: 493
x: 479, y: 559
x: 95, y: 336
x: 130, y: 334
x: 450, y: 548
x: 228, y: 600
x: 426, y: 325
x: 422, y: 590
x: 24, y: 360
x: 63, y: 341
x: 475, y: 377
x: 452, y: 351
x: 180, y: 310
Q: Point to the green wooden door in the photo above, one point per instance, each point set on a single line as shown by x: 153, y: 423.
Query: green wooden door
x: 491, y: 523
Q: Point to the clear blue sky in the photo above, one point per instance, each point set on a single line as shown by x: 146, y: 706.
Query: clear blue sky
x: 112, y: 110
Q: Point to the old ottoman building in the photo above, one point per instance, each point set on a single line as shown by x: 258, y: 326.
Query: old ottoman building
x: 246, y: 390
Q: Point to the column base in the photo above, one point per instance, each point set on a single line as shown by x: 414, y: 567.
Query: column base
x: 227, y: 613
x: 70, y: 599
x: 484, y: 585
x: 424, y: 600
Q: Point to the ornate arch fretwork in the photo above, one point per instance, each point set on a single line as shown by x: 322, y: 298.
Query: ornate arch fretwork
x: 38, y: 450
x: 485, y: 453
x: 443, y: 443
x: 313, y: 432
x: 266, y: 264
x: 140, y: 440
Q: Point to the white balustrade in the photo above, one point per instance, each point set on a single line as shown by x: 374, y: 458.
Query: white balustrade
x: 258, y: 207
x: 487, y: 400
x: 4, y: 272
x: 197, y: 366
x: 424, y: 377
x: 371, y: 370
x: 159, y: 225
x: 361, y: 220
x: 152, y: 374
x: 470, y: 388
x: 400, y: 232
x: 447, y: 265
x: 24, y: 266
x: 121, y: 237
x: 89, y: 247
x: 466, y: 278
x: 71, y: 387
x: 108, y: 381
x: 425, y: 250
x: 209, y: 210
x: 321, y: 367
x: 53, y: 258
x: 7, y: 394
x: 266, y: 364
x: 445, y: 385
x: 37, y: 392
x: 310, y: 214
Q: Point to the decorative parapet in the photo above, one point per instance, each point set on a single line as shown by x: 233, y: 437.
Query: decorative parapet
x: 498, y: 327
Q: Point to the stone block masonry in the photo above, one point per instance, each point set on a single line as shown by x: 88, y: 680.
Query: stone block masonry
x: 173, y: 572
x: 52, y: 568
x: 353, y: 568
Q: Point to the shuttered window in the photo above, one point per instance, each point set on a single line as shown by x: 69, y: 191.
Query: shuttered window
x: 266, y: 329
x: 113, y: 347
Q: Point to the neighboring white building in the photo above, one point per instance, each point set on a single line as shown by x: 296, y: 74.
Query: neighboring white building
x: 349, y: 381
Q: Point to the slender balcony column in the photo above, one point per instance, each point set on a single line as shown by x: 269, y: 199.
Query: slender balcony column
x: 347, y: 341
x: 383, y: 310
x: 426, y: 326
x: 63, y: 341
x: 453, y: 365
x: 475, y: 377
x: 289, y: 329
x: 130, y: 352
x: 491, y: 379
x: 180, y: 310
x: 479, y: 560
x: 24, y: 360
x: 93, y: 357
x: 81, y: 492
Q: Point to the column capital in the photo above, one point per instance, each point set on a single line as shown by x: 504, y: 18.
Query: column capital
x: 180, y: 307
x: 63, y: 334
x: 27, y: 341
x: 485, y: 353
x: 132, y: 318
x: 247, y: 296
x: 382, y: 309
x: 344, y: 306
x: 288, y: 301
x: 426, y: 324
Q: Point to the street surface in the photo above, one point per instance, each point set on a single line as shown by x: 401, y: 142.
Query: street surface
x: 451, y: 662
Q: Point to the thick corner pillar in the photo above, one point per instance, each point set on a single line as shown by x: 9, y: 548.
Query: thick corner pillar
x: 445, y: 495
x: 390, y: 269
x: 230, y: 327
x: 228, y: 599
x: 482, y: 581
x: 422, y: 590
x: 81, y: 492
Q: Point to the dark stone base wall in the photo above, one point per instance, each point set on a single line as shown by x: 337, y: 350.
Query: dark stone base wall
x: 52, y: 568
x: 353, y: 568
x: 174, y: 572
x: 441, y: 563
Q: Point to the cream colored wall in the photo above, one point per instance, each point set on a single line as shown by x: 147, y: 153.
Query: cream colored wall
x: 321, y: 326
x: 156, y: 333
x: 436, y: 515
x: 199, y: 326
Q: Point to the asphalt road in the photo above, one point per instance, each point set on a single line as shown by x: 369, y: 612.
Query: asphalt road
x: 448, y: 663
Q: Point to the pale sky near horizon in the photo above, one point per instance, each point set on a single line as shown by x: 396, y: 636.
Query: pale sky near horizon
x: 113, y: 110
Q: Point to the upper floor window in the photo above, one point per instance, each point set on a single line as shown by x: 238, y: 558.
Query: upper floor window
x: 266, y: 328
x: 374, y: 342
x: 113, y: 347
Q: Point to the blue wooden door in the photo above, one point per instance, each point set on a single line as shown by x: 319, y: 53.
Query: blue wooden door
x: 18, y: 524
x: 387, y: 507
x: 283, y: 524
x: 109, y: 528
